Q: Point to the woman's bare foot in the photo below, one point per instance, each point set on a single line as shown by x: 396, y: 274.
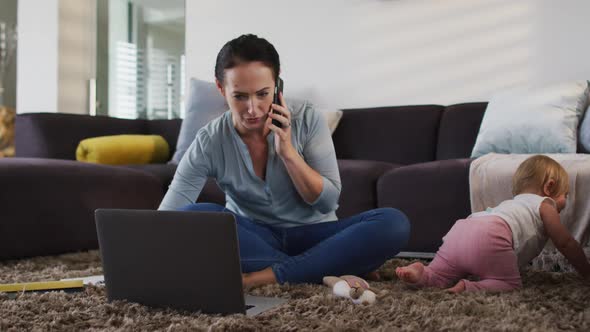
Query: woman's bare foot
x: 458, y: 288
x: 411, y: 273
x: 259, y: 278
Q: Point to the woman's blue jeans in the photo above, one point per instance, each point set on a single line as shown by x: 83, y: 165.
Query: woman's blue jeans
x: 355, y: 245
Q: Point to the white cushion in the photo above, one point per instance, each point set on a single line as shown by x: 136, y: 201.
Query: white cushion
x: 533, y: 119
x: 332, y: 117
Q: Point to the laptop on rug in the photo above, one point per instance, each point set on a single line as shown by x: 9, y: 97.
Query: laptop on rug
x: 179, y: 259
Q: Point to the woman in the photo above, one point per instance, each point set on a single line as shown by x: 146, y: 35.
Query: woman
x: 281, y: 183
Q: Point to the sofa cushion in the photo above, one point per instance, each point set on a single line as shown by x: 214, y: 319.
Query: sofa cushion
x: 359, y: 185
x: 533, y: 119
x: 584, y: 134
x: 163, y: 172
x: 204, y: 104
x: 56, y: 135
x: 168, y: 129
x: 458, y: 130
x: 433, y: 195
x: 398, y: 135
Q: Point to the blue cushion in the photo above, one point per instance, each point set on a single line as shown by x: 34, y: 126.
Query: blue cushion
x: 585, y: 133
x: 204, y: 104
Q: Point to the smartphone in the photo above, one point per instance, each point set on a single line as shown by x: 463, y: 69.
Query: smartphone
x: 276, y: 100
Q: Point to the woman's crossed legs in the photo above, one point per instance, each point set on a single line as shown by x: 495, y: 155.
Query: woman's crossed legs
x: 354, y: 245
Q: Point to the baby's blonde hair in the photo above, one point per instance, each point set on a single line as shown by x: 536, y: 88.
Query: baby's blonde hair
x: 535, y: 172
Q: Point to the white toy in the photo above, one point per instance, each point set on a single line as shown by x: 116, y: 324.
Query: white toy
x: 352, y: 287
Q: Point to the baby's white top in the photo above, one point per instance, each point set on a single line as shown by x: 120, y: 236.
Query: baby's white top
x: 523, y: 216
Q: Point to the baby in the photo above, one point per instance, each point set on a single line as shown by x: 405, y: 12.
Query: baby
x: 493, y: 245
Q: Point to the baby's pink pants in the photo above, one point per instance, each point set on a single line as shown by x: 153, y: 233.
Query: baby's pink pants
x: 480, y: 247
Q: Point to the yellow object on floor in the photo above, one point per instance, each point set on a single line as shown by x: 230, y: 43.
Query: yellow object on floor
x: 123, y: 149
x: 41, y: 286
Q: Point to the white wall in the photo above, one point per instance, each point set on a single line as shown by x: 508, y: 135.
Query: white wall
x: 117, y: 30
x: 360, y: 53
x: 56, y: 55
x: 77, y: 54
x: 37, y: 56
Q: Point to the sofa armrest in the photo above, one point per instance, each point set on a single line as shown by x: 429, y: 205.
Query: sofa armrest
x: 433, y: 195
x: 56, y: 135
x: 48, y: 205
x: 211, y: 193
x: 359, y: 185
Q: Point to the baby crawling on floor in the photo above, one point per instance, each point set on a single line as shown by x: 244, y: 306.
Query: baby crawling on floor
x: 493, y: 245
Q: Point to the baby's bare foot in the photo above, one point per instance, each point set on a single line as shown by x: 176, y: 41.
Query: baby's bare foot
x: 411, y: 273
x: 458, y: 288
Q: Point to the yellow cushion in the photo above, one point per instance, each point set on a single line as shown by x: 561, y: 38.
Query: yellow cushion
x: 123, y: 149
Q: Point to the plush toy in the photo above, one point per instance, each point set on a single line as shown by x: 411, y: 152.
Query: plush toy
x: 352, y: 287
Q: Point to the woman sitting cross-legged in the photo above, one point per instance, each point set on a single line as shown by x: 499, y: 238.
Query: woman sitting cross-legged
x: 281, y: 183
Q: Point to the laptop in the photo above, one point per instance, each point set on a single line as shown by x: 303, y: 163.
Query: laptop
x: 178, y: 259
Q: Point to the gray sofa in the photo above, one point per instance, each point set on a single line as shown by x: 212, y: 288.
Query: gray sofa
x: 414, y: 158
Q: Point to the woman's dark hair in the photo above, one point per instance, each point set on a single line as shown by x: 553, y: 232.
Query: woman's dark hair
x: 246, y: 48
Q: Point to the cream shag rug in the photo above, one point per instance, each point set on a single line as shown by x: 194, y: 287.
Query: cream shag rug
x: 549, y: 301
